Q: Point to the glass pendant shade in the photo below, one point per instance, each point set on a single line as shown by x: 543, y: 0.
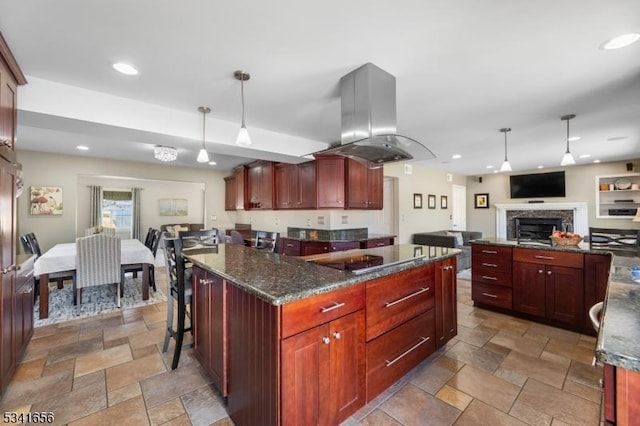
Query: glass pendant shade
x: 506, y: 167
x: 567, y: 158
x: 243, y: 138
x: 203, y: 156
x: 165, y: 153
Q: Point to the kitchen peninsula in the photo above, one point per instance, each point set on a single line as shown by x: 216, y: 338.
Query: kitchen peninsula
x: 289, y: 341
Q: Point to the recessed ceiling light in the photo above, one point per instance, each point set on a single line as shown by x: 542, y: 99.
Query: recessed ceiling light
x: 82, y: 148
x: 585, y: 155
x: 574, y: 138
x: 618, y: 138
x: 212, y: 163
x: 541, y: 166
x: 495, y: 171
x: 456, y: 156
x: 596, y: 161
x: 123, y: 68
x: 489, y: 166
x: 620, y: 41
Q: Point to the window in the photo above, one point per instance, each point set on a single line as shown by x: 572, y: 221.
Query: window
x: 117, y: 211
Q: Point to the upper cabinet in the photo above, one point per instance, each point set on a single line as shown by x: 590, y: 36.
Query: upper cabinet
x: 295, y: 185
x: 363, y: 185
x: 230, y: 193
x: 330, y: 172
x: 260, y: 185
x: 10, y: 77
x: 617, y: 196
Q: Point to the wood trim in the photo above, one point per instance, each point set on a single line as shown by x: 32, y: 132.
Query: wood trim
x: 5, y: 52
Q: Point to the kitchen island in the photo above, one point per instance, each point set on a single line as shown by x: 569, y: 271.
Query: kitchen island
x: 293, y: 342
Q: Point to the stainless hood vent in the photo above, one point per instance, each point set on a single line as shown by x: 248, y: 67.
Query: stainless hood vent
x: 368, y: 98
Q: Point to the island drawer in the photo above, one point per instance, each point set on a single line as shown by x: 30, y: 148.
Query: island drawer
x: 549, y: 257
x: 289, y: 247
x: 393, y: 354
x: 493, y: 277
x: 377, y: 242
x: 307, y: 313
x: 394, y: 299
x: 488, y: 294
x: 490, y: 251
x: 490, y: 263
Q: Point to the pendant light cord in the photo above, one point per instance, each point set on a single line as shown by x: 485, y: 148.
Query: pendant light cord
x: 242, y: 99
x: 203, y: 122
x: 568, y: 137
x: 505, y: 146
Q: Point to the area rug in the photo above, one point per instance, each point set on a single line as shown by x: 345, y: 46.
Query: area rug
x: 95, y: 301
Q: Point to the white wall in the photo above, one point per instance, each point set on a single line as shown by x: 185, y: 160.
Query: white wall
x: 580, y: 186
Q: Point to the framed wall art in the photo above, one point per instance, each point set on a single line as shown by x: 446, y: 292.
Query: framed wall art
x: 45, y: 200
x: 417, y: 201
x: 481, y: 201
x: 173, y: 207
x: 431, y: 201
x: 444, y: 203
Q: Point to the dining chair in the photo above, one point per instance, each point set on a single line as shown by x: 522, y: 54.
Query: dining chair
x: 266, y: 240
x: 236, y: 237
x: 151, y: 242
x: 30, y: 246
x: 97, y: 263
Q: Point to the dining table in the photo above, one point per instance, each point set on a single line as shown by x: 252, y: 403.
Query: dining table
x: 62, y: 258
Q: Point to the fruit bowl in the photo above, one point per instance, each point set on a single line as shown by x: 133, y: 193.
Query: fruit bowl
x: 569, y: 240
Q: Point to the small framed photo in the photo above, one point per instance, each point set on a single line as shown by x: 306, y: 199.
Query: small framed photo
x: 481, y: 201
x: 417, y: 201
x: 443, y: 202
x: 431, y: 201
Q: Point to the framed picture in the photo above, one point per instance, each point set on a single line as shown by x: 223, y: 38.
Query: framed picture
x: 443, y: 202
x: 417, y: 201
x: 481, y: 201
x: 45, y: 200
x: 431, y: 201
x: 173, y: 207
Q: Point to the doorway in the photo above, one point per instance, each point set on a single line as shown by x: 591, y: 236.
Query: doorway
x: 459, y: 208
x: 390, y: 207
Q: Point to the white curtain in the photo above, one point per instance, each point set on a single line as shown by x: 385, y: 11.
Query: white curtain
x: 135, y: 213
x: 95, y: 205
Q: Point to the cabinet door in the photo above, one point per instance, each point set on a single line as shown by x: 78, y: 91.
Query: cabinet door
x: 375, y: 187
x: 305, y: 360
x: 446, y: 301
x: 285, y: 177
x: 260, y: 185
x: 241, y: 188
x: 357, y: 196
x: 529, y: 288
x: 8, y: 113
x: 596, y: 278
x: 7, y: 254
x: 308, y: 248
x: 347, y: 372
x: 289, y: 247
x: 330, y: 182
x: 565, y: 295
x: 307, y: 185
x: 201, y: 317
x: 230, y: 193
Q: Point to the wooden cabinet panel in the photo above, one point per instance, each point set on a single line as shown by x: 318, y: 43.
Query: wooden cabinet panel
x: 364, y: 186
x: 307, y: 248
x: 8, y: 258
x: 549, y: 257
x: 240, y: 175
x: 23, y: 318
x: 344, y: 245
x: 596, y: 278
x: 446, y: 301
x: 494, y: 295
x: 260, y: 185
x: 307, y: 185
x: 307, y: 313
x: 8, y: 113
x: 529, y: 288
x: 491, y: 265
x: 491, y: 253
x: 394, y: 353
x: 289, y: 247
x: 394, y: 299
x: 377, y: 242
x: 331, y: 182
x: 565, y: 295
x: 490, y: 276
x: 285, y: 177
x: 210, y: 326
x: 230, y: 193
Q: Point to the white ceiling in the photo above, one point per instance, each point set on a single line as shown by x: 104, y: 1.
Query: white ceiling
x: 464, y: 69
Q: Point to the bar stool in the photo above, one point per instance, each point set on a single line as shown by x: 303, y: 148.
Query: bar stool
x: 594, y: 316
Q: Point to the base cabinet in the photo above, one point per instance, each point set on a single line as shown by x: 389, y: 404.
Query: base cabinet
x: 210, y: 326
x: 446, y: 319
x: 621, y: 389
x: 323, y: 372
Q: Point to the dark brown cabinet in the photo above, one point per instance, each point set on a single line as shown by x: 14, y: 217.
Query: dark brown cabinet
x: 529, y: 288
x: 491, y: 276
x: 293, y: 247
x: 446, y: 320
x: 363, y: 185
x: 260, y: 185
x: 230, y: 193
x: 323, y: 370
x: 210, y: 326
x: 596, y: 277
x: 331, y: 183
x: 240, y: 178
x: 295, y: 185
x: 23, y: 318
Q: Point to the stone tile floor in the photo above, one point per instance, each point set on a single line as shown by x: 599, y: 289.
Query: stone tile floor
x: 499, y: 370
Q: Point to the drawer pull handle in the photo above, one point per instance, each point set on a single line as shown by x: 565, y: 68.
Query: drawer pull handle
x: 335, y: 305
x: 204, y: 281
x: 490, y: 265
x: 380, y: 244
x: 289, y: 245
x: 405, y: 353
x: 409, y: 296
x: 539, y: 256
x: 490, y: 295
x: 489, y: 251
x: 489, y: 278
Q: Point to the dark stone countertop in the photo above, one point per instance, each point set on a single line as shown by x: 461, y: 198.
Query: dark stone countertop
x: 279, y: 279
x: 333, y: 236
x: 580, y: 248
x: 619, y: 336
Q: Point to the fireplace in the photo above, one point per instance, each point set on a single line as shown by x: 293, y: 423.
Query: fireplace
x: 536, y: 228
x: 572, y: 213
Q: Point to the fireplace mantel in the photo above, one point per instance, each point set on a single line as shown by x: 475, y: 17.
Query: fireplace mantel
x: 580, y: 214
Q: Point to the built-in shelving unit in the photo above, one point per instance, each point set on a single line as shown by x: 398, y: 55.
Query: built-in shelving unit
x: 617, y: 196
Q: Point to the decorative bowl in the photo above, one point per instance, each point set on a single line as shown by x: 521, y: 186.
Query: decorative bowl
x: 566, y: 241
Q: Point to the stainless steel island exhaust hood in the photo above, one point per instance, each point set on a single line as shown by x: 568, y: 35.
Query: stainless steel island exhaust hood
x: 368, y: 98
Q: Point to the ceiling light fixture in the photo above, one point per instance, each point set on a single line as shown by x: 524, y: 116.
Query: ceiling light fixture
x: 456, y: 156
x: 243, y: 138
x: 165, y: 153
x: 203, y: 156
x: 506, y: 167
x: 82, y: 147
x: 567, y: 158
x: 126, y: 69
x: 621, y: 41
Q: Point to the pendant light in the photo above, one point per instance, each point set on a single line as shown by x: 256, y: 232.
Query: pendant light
x: 243, y: 138
x: 506, y: 167
x: 203, y: 156
x: 567, y: 158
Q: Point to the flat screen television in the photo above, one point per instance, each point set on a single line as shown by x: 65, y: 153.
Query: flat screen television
x: 537, y: 185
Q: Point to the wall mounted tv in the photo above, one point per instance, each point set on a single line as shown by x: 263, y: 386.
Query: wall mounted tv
x: 537, y: 185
